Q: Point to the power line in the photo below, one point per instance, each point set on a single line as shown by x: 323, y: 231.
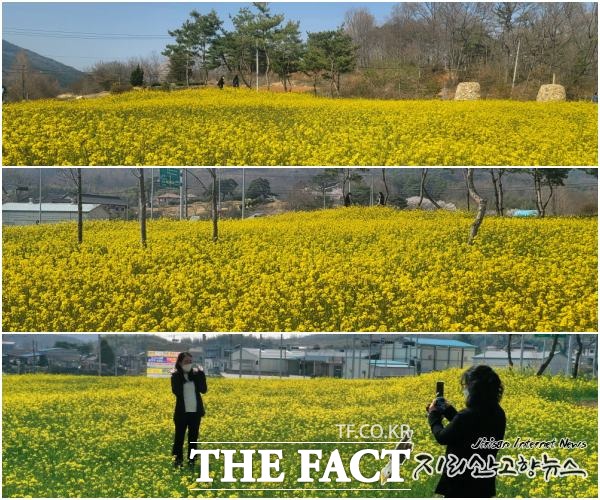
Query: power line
x: 45, y: 72
x: 82, y: 35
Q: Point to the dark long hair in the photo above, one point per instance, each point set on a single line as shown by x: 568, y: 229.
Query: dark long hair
x: 180, y: 359
x: 484, y: 385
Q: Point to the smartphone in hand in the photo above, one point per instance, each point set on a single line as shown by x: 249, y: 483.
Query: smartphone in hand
x: 439, y: 389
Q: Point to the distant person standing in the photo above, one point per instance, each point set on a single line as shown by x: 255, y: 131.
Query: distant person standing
x: 594, y: 97
x: 221, y: 82
x: 348, y: 200
x: 236, y: 82
x: 381, y: 199
x: 3, y: 92
x: 187, y: 383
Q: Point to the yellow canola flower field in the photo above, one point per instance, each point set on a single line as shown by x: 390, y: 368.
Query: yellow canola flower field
x: 244, y: 127
x: 353, y: 269
x: 76, y: 436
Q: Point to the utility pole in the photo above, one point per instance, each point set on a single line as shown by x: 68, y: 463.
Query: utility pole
x: 99, y: 355
x: 522, y: 345
x: 280, y: 354
x: 180, y: 194
x: 152, y: 194
x: 569, y: 355
x: 595, y: 362
x: 142, y: 208
x: 23, y: 82
x: 219, y: 180
x: 241, y: 336
x: 40, y: 209
x: 371, y: 199
x: 243, y: 192
x: 353, y: 354
x: 515, y: 70
x: 369, y: 365
x: 33, y: 352
x: 185, y: 191
x: 257, y: 66
x: 259, y: 355
x: 79, y: 208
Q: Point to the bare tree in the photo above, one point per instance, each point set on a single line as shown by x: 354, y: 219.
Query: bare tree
x: 481, y: 206
x: 509, y: 349
x: 549, y: 177
x: 498, y: 190
x: 545, y: 364
x: 154, y: 66
x: 25, y: 82
x: 578, y: 355
x: 79, y: 208
x: 360, y: 25
x: 142, y: 205
x: 215, y: 201
x: 387, y: 190
x: 423, y: 190
x: 73, y: 177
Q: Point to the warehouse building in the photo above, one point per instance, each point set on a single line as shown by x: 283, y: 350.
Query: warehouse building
x: 288, y: 362
x: 532, y: 359
x: 26, y: 214
x: 116, y: 207
x: 427, y: 354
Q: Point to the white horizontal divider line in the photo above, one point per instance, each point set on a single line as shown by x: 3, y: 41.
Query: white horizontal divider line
x: 300, y: 489
x: 294, y: 442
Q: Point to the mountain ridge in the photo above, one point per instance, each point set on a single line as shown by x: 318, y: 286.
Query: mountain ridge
x: 65, y: 75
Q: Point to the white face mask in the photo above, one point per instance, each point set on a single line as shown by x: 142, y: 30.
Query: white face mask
x: 466, y: 393
x: 187, y: 368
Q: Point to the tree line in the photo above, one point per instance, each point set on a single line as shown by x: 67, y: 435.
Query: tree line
x: 422, y: 50
x: 545, y: 181
x: 260, y: 42
x: 509, y: 47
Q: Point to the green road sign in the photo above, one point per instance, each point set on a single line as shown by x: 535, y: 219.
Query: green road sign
x: 169, y: 177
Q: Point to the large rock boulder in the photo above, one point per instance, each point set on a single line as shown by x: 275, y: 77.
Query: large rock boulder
x: 467, y: 91
x: 551, y: 93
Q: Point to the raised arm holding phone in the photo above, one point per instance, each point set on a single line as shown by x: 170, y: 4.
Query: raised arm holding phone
x: 482, y: 418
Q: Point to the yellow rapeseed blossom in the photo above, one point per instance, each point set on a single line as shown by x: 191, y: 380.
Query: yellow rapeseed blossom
x: 242, y: 127
x: 354, y: 269
x: 111, y: 437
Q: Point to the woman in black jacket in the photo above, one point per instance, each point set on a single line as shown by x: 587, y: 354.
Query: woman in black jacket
x: 482, y: 418
x: 187, y: 383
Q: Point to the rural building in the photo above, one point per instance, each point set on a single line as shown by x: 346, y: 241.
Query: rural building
x: 166, y: 199
x: 114, y: 205
x: 215, y: 360
x: 54, y: 359
x: 427, y: 354
x: 265, y: 361
x: 358, y: 363
x: 25, y: 214
x: 531, y: 359
x: 394, y: 359
x: 296, y: 362
x: 389, y: 368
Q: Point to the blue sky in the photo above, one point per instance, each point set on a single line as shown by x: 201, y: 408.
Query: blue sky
x: 140, y: 18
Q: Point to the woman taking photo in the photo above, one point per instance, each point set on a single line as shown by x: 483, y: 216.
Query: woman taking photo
x: 482, y: 418
x: 187, y: 383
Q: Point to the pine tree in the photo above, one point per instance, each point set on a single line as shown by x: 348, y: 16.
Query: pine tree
x: 137, y: 77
